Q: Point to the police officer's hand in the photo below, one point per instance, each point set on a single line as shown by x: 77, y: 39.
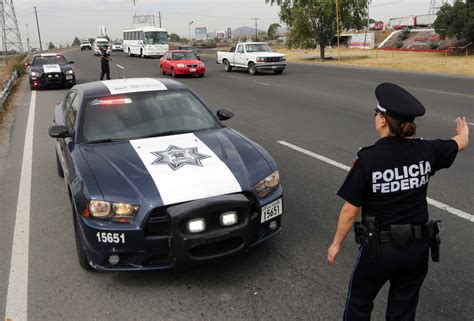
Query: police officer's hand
x: 461, y: 126
x: 332, y: 253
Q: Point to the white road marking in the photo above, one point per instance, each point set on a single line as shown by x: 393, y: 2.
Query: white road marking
x: 262, y: 83
x: 17, y: 295
x: 329, y: 161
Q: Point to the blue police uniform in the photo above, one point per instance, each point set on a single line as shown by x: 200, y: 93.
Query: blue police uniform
x: 389, y: 181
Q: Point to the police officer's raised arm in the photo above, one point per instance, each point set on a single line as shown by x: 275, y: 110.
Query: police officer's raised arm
x: 462, y: 130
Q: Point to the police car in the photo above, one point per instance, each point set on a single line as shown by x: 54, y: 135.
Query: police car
x: 51, y: 69
x: 155, y: 180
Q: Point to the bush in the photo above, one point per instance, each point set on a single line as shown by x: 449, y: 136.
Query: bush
x: 433, y: 44
x: 404, y: 34
x: 398, y: 44
x: 20, y: 69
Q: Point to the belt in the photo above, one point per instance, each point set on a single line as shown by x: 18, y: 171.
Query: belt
x: 418, y: 232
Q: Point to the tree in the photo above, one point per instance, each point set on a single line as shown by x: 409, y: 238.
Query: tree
x: 456, y: 20
x: 272, y: 30
x: 174, y: 37
x: 51, y: 45
x: 76, y: 42
x: 312, y: 23
x: 91, y: 40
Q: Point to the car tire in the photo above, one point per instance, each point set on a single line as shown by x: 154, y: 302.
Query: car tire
x: 278, y: 72
x: 59, y: 166
x: 80, y: 248
x: 227, y: 66
x: 252, y: 69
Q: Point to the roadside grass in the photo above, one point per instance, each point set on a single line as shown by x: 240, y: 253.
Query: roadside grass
x: 452, y: 64
x: 6, y: 70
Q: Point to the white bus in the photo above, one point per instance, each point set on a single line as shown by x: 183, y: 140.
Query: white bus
x: 145, y: 41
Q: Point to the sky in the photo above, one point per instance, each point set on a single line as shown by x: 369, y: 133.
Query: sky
x: 62, y: 20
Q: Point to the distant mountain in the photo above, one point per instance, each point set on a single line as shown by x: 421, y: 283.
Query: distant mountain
x: 245, y: 31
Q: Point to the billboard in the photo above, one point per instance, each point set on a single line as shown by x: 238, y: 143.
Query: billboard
x: 220, y: 35
x: 362, y: 40
x: 200, y: 33
x: 142, y: 21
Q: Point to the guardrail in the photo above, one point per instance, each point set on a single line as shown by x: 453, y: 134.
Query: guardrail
x: 7, y: 88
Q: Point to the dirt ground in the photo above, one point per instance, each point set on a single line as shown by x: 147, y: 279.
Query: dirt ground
x: 452, y: 64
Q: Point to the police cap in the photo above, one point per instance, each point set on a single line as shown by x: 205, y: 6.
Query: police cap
x: 396, y: 101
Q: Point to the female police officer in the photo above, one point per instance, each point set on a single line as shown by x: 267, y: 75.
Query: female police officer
x: 389, y: 181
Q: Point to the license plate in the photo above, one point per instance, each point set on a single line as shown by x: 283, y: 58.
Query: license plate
x: 192, y: 69
x: 272, y: 210
x: 68, y: 77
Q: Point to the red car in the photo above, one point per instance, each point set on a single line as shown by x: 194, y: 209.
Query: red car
x: 181, y: 62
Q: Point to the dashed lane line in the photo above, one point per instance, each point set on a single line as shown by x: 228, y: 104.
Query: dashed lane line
x: 329, y: 161
x: 16, y: 306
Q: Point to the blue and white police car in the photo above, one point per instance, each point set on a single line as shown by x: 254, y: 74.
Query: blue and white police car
x: 51, y: 70
x: 155, y: 180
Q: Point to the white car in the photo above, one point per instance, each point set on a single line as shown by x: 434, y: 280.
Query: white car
x: 100, y: 43
x: 117, y: 46
x: 85, y: 45
x: 254, y: 56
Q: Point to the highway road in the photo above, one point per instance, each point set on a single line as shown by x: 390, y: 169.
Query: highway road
x: 312, y: 119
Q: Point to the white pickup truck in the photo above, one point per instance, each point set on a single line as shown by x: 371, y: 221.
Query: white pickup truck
x: 254, y: 56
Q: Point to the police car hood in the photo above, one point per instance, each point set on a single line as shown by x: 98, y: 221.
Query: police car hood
x: 51, y: 68
x: 174, y: 169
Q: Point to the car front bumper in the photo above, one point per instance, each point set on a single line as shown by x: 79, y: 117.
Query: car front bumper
x: 187, y: 71
x: 154, y: 246
x: 270, y: 66
x: 52, y: 80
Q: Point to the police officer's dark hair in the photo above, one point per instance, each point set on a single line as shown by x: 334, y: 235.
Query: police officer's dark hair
x: 401, y: 127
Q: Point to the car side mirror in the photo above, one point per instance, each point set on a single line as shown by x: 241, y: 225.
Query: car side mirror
x: 224, y: 114
x: 71, y: 62
x: 59, y: 131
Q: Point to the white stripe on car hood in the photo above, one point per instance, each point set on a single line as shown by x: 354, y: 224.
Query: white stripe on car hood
x: 51, y: 68
x: 184, y: 168
x: 122, y: 86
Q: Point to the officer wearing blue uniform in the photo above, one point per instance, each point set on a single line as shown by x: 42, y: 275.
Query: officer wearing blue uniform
x: 389, y: 181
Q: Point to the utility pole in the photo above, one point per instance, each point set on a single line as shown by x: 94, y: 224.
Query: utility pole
x: 190, y: 23
x: 159, y: 18
x: 256, y: 29
x: 28, y: 38
x: 38, y: 27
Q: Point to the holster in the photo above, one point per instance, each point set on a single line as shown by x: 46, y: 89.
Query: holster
x: 432, y: 230
x: 367, y: 235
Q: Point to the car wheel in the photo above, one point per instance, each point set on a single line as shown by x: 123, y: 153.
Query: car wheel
x: 252, y: 69
x: 173, y: 74
x: 227, y: 66
x: 80, y: 247
x: 278, y: 72
x: 59, y: 167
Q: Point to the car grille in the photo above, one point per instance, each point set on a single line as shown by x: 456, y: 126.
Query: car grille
x: 157, y: 223
x: 192, y: 66
x: 273, y: 59
x: 54, y: 77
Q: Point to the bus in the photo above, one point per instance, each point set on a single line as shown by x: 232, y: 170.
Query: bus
x: 145, y: 41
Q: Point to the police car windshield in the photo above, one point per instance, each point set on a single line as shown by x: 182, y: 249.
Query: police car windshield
x: 184, y: 56
x: 257, y: 47
x: 144, y: 114
x: 102, y: 43
x: 156, y: 37
x: 49, y: 60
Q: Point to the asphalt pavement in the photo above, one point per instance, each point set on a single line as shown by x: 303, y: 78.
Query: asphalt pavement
x: 325, y: 110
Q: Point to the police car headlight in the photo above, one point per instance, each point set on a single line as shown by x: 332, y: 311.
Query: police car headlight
x: 125, y: 210
x: 196, y: 225
x: 267, y: 185
x: 180, y: 65
x: 70, y: 72
x: 99, y: 209
x: 34, y: 74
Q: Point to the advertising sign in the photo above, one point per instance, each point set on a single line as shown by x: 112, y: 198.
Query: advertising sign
x: 201, y: 33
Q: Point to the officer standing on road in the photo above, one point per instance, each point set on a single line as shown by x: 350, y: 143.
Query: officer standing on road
x: 104, y: 64
x: 389, y: 180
